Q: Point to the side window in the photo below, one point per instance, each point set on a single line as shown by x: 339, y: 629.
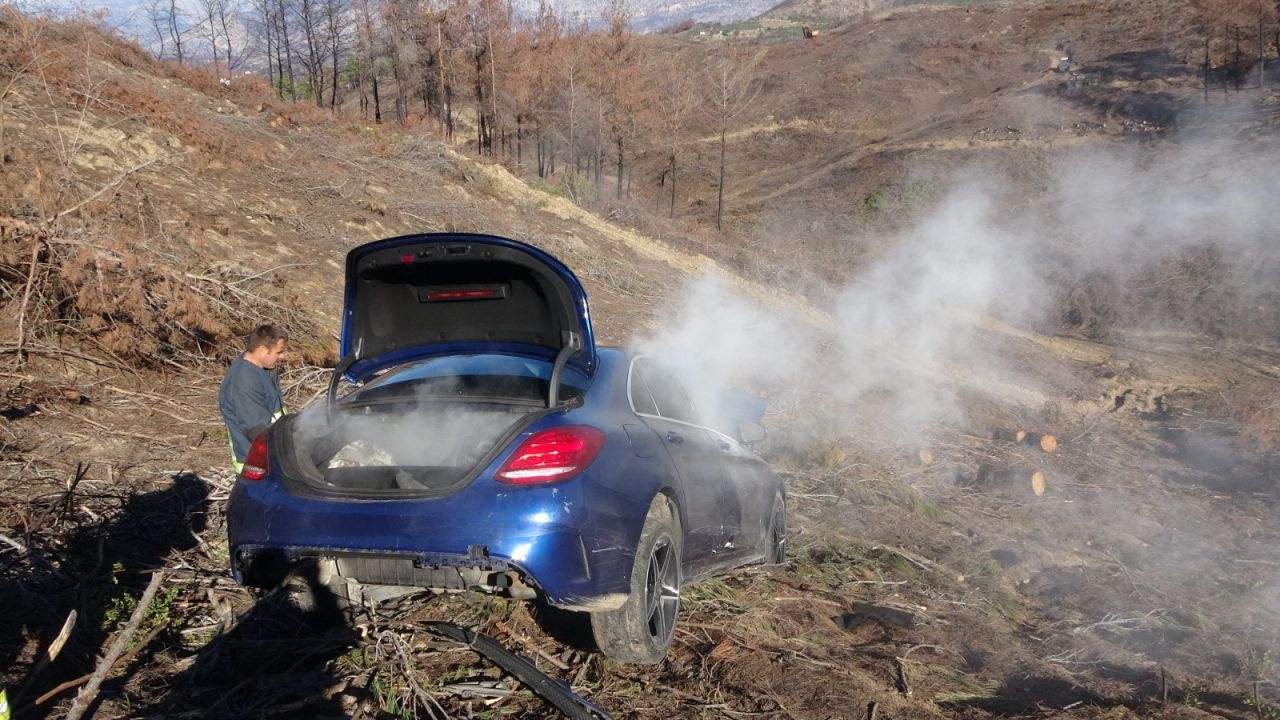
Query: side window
x: 641, y: 400
x: 670, y: 398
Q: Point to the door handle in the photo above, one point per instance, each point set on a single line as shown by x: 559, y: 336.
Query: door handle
x: 726, y: 447
x: 674, y: 437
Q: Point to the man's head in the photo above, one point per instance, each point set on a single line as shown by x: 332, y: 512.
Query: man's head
x: 265, y: 346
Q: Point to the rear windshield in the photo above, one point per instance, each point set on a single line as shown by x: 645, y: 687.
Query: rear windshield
x: 473, y: 376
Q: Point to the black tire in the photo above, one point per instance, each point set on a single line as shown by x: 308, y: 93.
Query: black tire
x: 641, y: 630
x: 775, y: 535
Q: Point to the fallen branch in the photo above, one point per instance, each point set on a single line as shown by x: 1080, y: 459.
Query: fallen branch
x: 89, y: 692
x: 26, y: 297
x: 903, y: 686
x: 68, y: 498
x: 50, y: 653
x: 922, y: 563
x: 247, y: 278
x: 124, y: 660
x: 57, y: 353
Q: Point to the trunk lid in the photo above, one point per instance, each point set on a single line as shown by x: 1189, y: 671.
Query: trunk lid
x: 420, y: 296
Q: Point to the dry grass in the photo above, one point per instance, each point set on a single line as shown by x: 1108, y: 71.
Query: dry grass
x: 124, y: 298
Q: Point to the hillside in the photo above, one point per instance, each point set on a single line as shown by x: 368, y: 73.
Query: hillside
x: 862, y: 127
x: 925, y: 280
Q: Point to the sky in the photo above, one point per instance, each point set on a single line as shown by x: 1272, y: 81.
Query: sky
x: 126, y: 16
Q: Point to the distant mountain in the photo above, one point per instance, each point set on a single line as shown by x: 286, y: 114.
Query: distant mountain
x: 656, y: 14
x: 832, y: 10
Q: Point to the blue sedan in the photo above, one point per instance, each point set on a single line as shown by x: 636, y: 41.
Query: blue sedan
x: 489, y: 445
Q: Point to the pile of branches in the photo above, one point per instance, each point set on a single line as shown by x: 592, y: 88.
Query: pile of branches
x: 123, y: 297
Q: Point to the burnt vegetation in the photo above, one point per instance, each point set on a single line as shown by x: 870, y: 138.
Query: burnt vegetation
x: 156, y: 204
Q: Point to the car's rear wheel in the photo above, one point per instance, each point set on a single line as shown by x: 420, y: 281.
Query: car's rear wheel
x: 776, y: 536
x: 641, y: 630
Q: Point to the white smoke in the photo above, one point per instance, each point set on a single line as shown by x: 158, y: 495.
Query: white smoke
x: 908, y: 325
x: 420, y: 431
x: 720, y: 340
x: 912, y: 333
x: 906, y: 330
x: 1128, y: 207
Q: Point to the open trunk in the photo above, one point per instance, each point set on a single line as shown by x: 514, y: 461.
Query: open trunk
x: 425, y: 449
x: 425, y: 429
x: 458, y: 341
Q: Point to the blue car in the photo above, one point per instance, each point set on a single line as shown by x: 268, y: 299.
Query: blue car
x: 489, y: 444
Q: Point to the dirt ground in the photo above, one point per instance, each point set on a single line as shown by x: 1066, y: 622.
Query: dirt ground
x: 1125, y: 569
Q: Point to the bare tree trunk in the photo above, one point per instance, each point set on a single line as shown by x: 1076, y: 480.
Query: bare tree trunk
x: 1262, y: 57
x: 672, y: 212
x: 315, y: 66
x: 156, y: 15
x: 448, y: 111
x: 618, y: 183
x: 446, y: 107
x: 283, y: 19
x: 1206, y: 70
x: 270, y: 43
x: 493, y: 73
x: 400, y: 82
x: 226, y: 35
x: 369, y: 42
x: 573, y: 102
x: 720, y: 191
x: 335, y: 43
x: 1226, y: 80
x: 213, y: 35
x: 174, y: 31
x: 484, y: 131
x: 599, y: 148
x: 1237, y: 62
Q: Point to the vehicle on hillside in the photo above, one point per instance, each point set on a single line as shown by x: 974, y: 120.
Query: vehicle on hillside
x: 490, y: 445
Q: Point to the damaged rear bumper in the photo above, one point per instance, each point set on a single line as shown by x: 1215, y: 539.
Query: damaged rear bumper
x: 396, y: 545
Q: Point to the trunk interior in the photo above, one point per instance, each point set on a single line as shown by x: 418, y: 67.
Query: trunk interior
x: 410, y: 448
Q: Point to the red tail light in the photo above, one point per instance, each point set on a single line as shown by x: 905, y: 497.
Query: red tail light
x: 462, y: 295
x: 256, y: 462
x: 552, y: 455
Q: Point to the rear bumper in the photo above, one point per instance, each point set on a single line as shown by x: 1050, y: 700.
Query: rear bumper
x: 539, y: 537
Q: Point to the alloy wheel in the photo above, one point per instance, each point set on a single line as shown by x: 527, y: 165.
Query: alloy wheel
x: 778, y: 536
x: 662, y: 591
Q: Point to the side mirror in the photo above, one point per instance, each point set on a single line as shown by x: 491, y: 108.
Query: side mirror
x: 750, y: 432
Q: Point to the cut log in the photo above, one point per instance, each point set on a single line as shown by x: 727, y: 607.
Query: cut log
x: 1046, y: 442
x: 1000, y: 478
x: 1037, y: 483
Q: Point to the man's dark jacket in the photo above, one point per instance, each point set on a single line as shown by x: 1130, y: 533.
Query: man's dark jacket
x: 250, y: 401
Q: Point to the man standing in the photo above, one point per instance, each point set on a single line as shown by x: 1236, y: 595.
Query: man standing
x: 250, y: 394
